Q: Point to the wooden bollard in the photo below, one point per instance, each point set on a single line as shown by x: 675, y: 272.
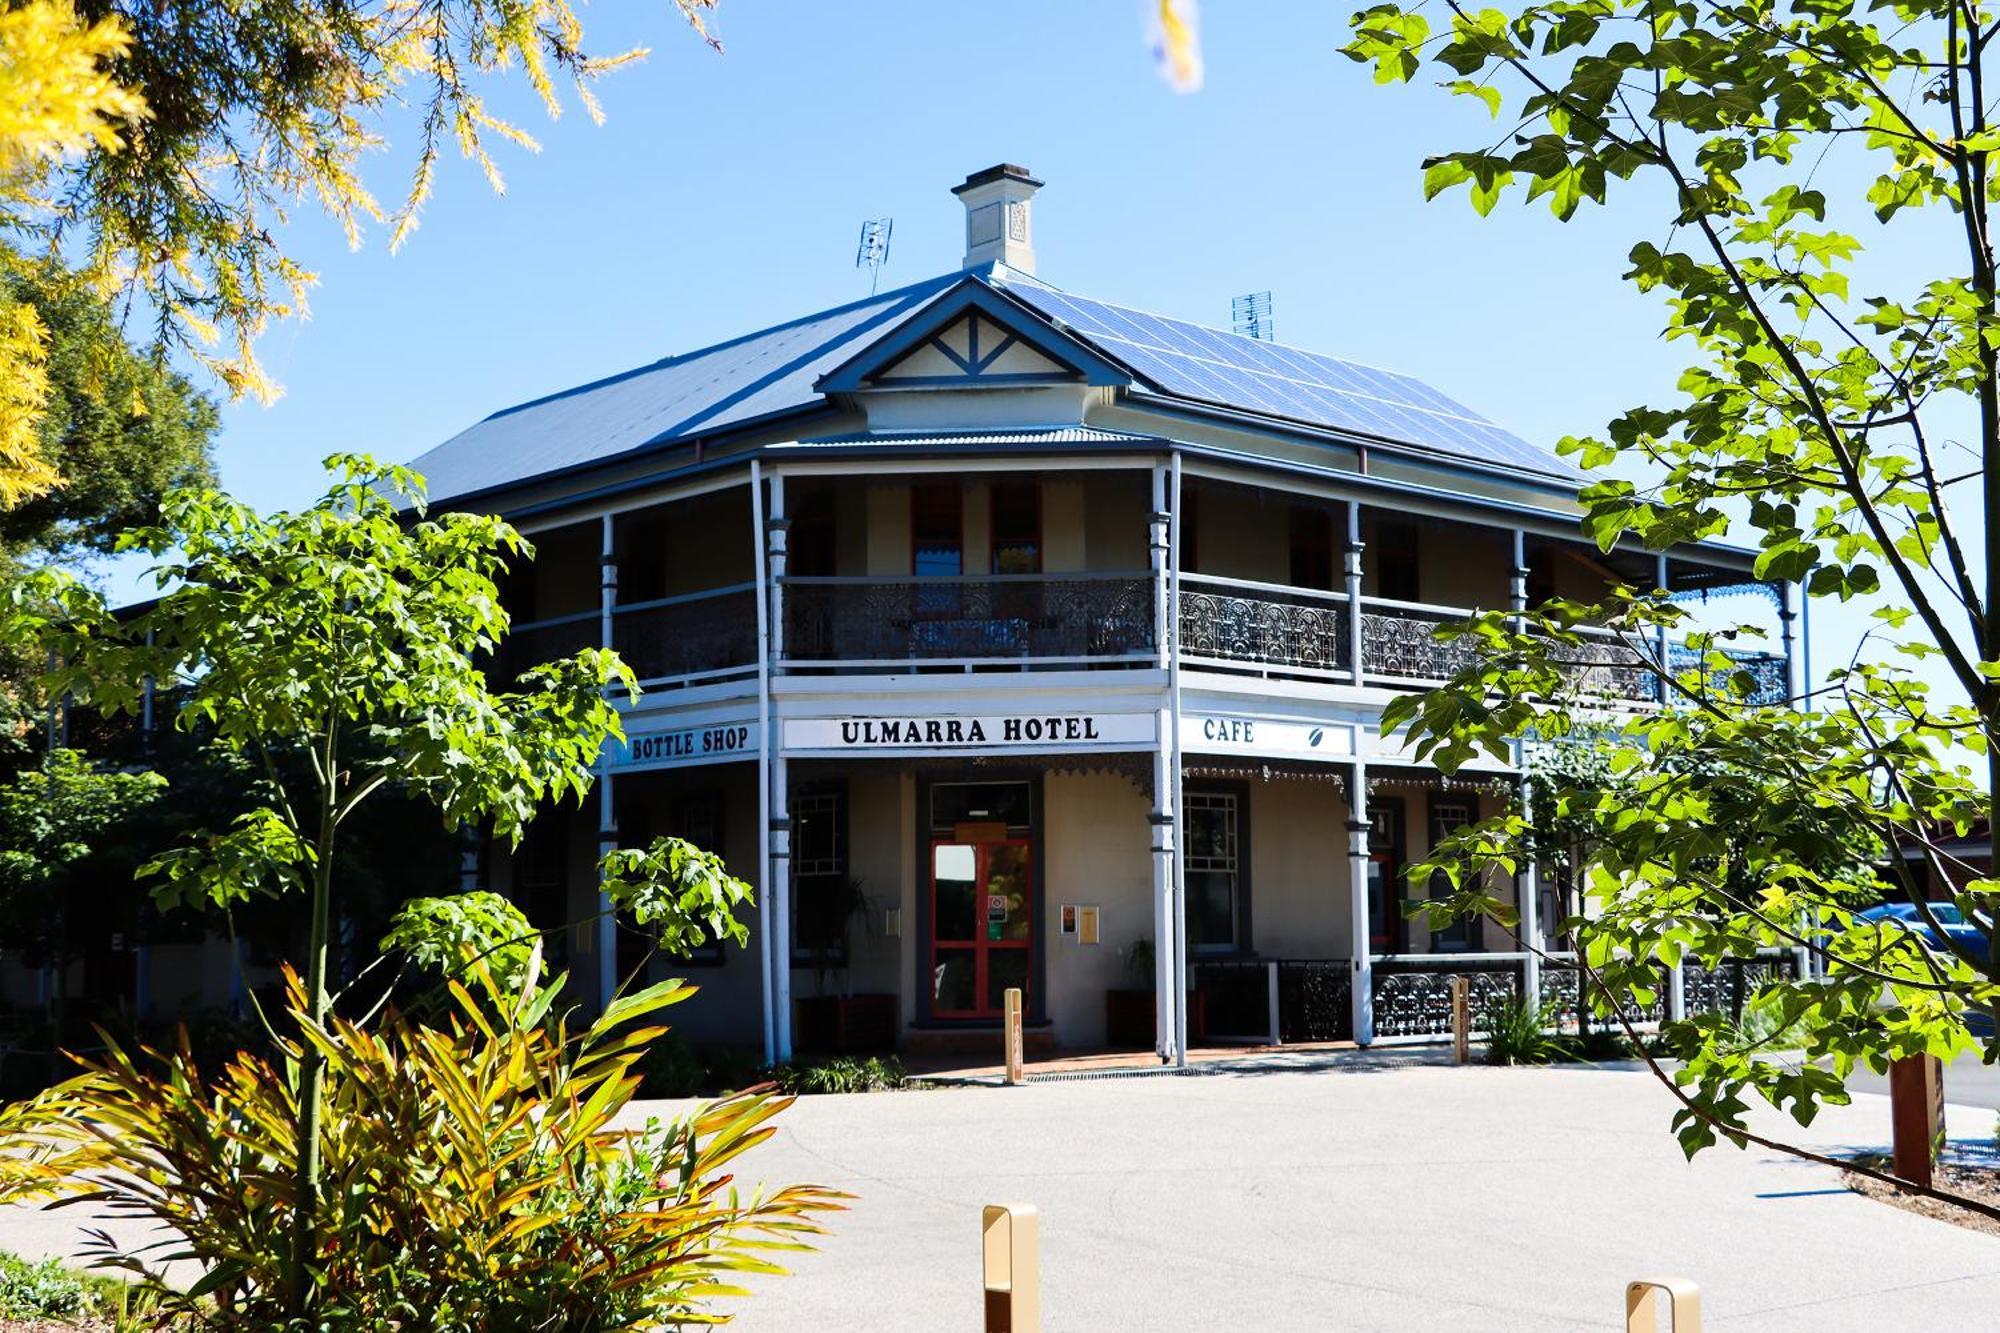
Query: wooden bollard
x: 1461, y: 1018
x: 1916, y: 1116
x: 1010, y: 1238
x: 1013, y: 1035
x: 1683, y: 1305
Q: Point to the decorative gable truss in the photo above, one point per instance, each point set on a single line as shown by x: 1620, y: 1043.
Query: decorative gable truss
x: 973, y: 337
x: 974, y: 348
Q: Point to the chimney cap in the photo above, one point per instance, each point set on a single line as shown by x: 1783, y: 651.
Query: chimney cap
x: 1003, y: 171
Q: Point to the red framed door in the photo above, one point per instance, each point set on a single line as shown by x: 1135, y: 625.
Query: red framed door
x: 981, y: 925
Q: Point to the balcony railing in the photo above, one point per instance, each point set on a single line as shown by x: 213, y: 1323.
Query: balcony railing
x: 1080, y: 620
x: 1010, y: 619
x: 1234, y: 623
x: 1399, y: 644
x: 530, y: 643
x: 698, y: 637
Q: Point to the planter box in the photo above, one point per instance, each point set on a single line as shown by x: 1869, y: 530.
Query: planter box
x: 1128, y: 1018
x: 846, y: 1024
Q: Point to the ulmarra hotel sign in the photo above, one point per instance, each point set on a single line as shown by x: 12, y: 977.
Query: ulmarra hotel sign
x: 984, y: 731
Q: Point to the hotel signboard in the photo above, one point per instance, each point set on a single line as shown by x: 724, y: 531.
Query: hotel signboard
x: 680, y: 746
x: 1268, y: 737
x: 982, y: 731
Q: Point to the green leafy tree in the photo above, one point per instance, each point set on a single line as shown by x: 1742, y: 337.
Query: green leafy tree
x: 1851, y: 435
x: 121, y: 427
x: 347, y: 638
x: 158, y: 149
x: 59, y: 827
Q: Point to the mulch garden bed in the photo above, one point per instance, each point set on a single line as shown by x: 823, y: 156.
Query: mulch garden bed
x: 1974, y: 1182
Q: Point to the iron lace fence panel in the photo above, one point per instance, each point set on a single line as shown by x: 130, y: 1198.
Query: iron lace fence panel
x: 1053, y: 616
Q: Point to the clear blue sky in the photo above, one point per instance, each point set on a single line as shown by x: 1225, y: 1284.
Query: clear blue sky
x: 724, y: 193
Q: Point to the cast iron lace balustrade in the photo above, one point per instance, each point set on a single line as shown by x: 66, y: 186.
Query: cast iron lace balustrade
x: 1232, y: 620
x: 1771, y: 681
x: 1314, y: 1001
x: 698, y: 635
x: 1399, y: 643
x: 1559, y: 993
x: 1413, y: 996
x: 1004, y: 617
x: 529, y: 644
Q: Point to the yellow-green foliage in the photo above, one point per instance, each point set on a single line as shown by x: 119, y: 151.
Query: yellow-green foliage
x: 475, y: 1176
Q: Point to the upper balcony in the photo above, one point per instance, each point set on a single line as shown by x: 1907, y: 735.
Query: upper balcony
x: 878, y: 580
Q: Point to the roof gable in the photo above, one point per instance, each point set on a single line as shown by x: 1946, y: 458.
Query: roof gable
x: 972, y: 337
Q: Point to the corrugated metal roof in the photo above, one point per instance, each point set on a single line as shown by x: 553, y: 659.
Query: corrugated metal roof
x: 1185, y: 360
x: 984, y: 439
x: 773, y: 371
x: 697, y: 393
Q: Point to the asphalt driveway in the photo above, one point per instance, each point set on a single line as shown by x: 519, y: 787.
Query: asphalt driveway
x: 1352, y: 1193
x: 1384, y: 1194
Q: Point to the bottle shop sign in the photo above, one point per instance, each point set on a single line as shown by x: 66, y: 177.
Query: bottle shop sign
x: 685, y: 745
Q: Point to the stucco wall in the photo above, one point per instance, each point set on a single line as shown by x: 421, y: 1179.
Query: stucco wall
x: 1298, y: 870
x: 1099, y: 852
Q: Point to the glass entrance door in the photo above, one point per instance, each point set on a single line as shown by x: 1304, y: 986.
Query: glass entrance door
x: 981, y: 931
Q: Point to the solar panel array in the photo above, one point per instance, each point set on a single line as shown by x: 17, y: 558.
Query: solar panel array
x: 1189, y: 361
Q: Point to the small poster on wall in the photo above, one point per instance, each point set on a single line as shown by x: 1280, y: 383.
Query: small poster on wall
x: 1086, y: 925
x: 1069, y: 919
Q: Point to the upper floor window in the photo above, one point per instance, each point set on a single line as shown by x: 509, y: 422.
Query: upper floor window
x: 1396, y: 564
x: 809, y: 546
x: 1312, y: 547
x: 937, y: 529
x: 1017, y: 527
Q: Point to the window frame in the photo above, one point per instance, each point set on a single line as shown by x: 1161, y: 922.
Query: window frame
x: 1237, y: 795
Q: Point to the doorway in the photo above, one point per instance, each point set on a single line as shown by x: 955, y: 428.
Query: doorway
x: 982, y: 928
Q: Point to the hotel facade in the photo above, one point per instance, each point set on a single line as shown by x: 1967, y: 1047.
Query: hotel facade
x: 1003, y: 637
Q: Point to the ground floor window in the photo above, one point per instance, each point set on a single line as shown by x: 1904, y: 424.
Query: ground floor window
x: 825, y: 899
x: 1385, y: 873
x: 1447, y: 817
x: 1215, y: 862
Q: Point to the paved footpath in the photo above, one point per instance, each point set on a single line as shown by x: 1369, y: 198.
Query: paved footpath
x: 1387, y: 1193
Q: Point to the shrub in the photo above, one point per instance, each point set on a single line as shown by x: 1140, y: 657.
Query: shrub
x: 1522, y: 1033
x: 876, y: 1073
x: 473, y: 1175
x: 41, y: 1290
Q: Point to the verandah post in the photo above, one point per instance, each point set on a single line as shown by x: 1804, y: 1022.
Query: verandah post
x: 607, y: 809
x: 1527, y: 883
x: 1361, y: 996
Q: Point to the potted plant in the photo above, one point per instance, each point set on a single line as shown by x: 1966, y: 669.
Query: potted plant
x: 1129, y: 1011
x: 834, y: 1019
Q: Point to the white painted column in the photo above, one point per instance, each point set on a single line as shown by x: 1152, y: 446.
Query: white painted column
x: 1354, y: 549
x: 607, y: 816
x: 1174, y: 942
x: 777, y: 529
x: 765, y: 896
x: 1165, y: 853
x: 1660, y: 645
x: 1527, y: 882
x: 1787, y: 617
x: 1362, y: 980
x: 779, y: 899
x: 781, y: 903
x: 1159, y: 546
x: 1165, y: 842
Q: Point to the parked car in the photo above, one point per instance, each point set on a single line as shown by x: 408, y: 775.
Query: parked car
x: 1950, y: 922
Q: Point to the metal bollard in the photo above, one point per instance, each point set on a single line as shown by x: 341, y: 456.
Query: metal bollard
x: 1011, y: 1240
x: 1461, y: 1018
x: 1683, y: 1305
x: 1013, y: 1034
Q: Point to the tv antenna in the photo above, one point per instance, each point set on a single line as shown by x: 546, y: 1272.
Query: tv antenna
x: 873, y: 252
x: 1250, y: 315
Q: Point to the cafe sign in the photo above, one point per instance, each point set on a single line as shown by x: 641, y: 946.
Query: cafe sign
x: 983, y: 731
x: 684, y: 746
x: 1270, y: 738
